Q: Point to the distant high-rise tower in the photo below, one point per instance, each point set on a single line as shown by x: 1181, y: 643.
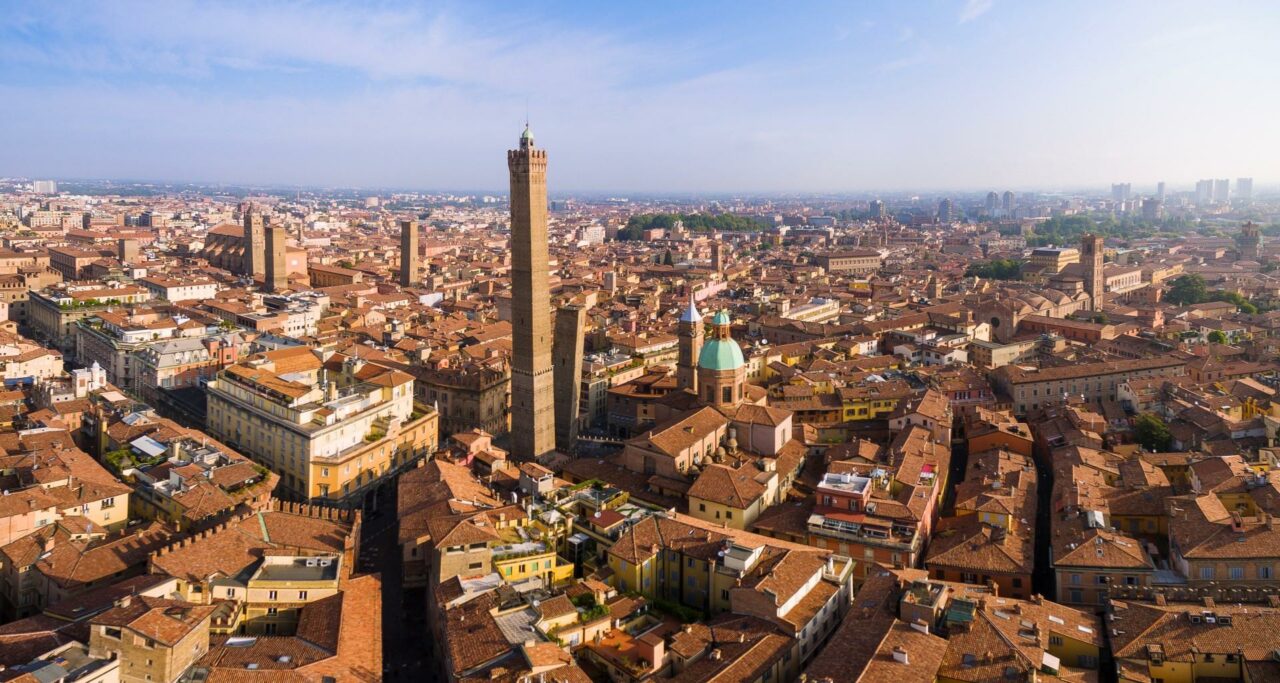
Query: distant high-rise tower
x: 255, y: 242
x: 690, y: 334
x: 1160, y: 191
x: 1120, y: 192
x: 1008, y: 202
x: 277, y: 272
x: 877, y: 208
x: 1091, y: 252
x: 1249, y: 242
x: 1204, y: 192
x: 408, y: 253
x: 1221, y: 190
x: 533, y: 429
x: 993, y: 203
x: 45, y: 187
x: 1244, y: 189
x: 1151, y: 209
x: 944, y: 211
x: 717, y: 256
x: 571, y: 329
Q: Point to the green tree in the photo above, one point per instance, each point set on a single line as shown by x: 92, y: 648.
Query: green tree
x: 1152, y: 433
x: 1101, y: 318
x: 998, y: 269
x: 1217, y: 337
x: 667, y: 260
x: 694, y: 222
x: 1242, y: 304
x: 1186, y: 290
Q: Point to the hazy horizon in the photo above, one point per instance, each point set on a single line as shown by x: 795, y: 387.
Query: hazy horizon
x: 716, y: 98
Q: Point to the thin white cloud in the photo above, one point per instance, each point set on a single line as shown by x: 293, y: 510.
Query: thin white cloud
x: 974, y: 9
x: 196, y: 39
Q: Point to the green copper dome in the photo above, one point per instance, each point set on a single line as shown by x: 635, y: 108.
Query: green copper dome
x: 722, y: 318
x: 721, y: 354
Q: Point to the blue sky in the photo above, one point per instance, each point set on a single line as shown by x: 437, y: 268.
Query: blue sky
x: 645, y: 97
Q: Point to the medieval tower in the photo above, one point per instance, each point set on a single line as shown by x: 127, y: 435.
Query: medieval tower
x: 276, y: 277
x: 255, y: 242
x: 408, y: 253
x: 1091, y: 261
x: 690, y: 333
x: 533, y: 429
x: 571, y: 327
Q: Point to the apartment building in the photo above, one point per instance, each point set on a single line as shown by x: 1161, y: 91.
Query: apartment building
x: 1029, y: 389
x: 181, y: 363
x: 469, y: 394
x: 331, y: 429
x: 111, y: 338
x: 855, y: 262
x: 198, y: 484
x: 72, y: 262
x: 1194, y: 642
x: 53, y: 312
x: 155, y: 639
x: 24, y: 362
x: 176, y: 289
x: 802, y: 590
x: 219, y: 562
x: 279, y: 588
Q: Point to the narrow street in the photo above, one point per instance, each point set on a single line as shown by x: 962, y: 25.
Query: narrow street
x: 405, y: 645
x: 1042, y: 576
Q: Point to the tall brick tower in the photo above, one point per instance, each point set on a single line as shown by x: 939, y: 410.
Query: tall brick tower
x: 533, y: 419
x: 255, y: 243
x: 1249, y: 242
x: 571, y: 327
x: 276, y: 277
x: 408, y: 253
x: 1091, y: 261
x: 690, y: 333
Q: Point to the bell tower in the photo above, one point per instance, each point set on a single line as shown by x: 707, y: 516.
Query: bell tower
x: 690, y: 333
x: 533, y: 419
x: 1091, y: 251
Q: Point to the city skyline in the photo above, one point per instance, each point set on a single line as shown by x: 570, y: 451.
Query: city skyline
x: 711, y: 99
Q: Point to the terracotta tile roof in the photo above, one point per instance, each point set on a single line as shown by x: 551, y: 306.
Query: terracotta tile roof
x: 1139, y: 626
x: 25, y: 639
x: 862, y: 648
x: 165, y: 621
x: 75, y: 563
x: 230, y: 548
x: 473, y: 638
x: 692, y: 537
x: 735, y: 488
x: 968, y: 544
x: 747, y: 647
x: 678, y: 435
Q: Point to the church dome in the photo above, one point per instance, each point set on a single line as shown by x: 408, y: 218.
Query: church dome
x: 721, y: 354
